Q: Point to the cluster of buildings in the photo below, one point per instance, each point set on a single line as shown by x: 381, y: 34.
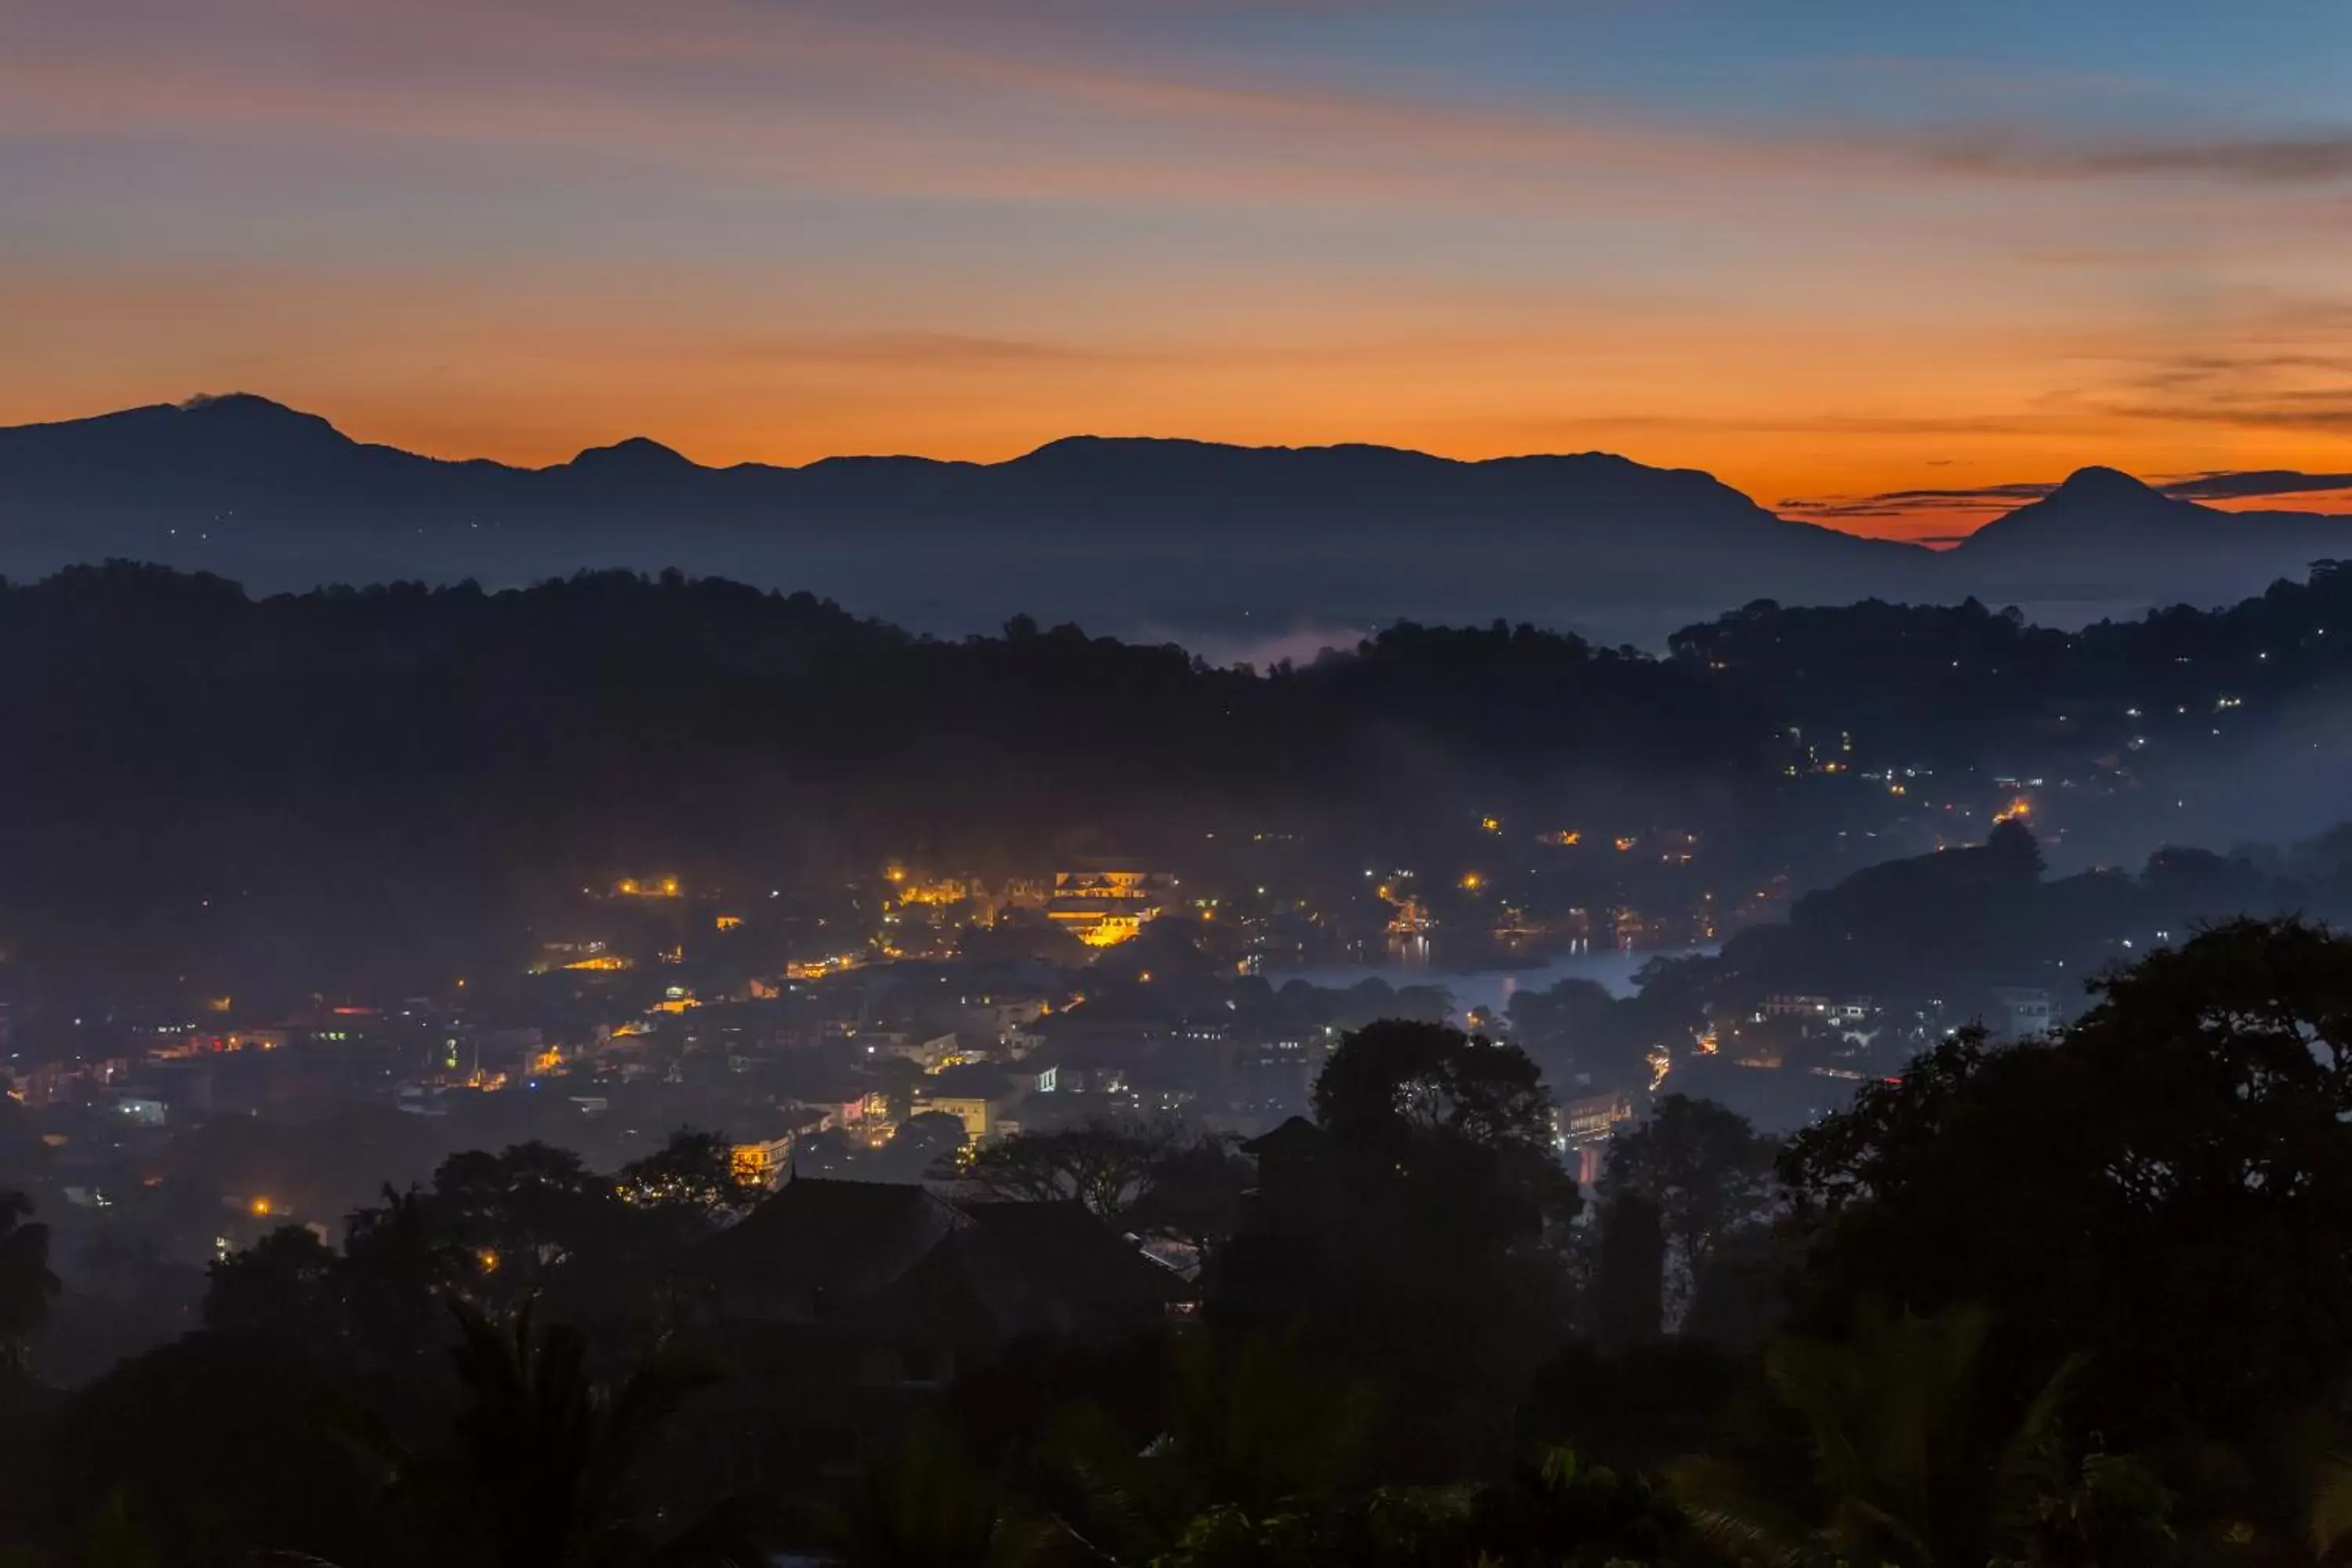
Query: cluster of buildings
x: 862, y: 1035
x: 1793, y: 1057
x: 876, y: 1069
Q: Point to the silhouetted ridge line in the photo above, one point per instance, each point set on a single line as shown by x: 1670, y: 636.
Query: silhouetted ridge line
x: 1141, y: 534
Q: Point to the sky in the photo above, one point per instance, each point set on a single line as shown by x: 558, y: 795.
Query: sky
x: 1837, y: 252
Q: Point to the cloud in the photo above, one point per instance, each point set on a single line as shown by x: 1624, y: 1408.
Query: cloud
x: 2325, y: 410
x: 1010, y: 97
x: 2241, y: 485
x: 739, y: 222
x: 916, y: 349
x: 840, y: 111
x: 2223, y: 485
x: 2248, y: 359
x: 2021, y: 153
x: 1913, y: 502
x: 1857, y: 424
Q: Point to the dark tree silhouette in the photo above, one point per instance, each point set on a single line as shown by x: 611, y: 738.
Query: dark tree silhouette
x: 208, y: 1440
x: 549, y: 750
x: 1628, y: 1293
x: 927, y: 1504
x: 2189, y: 1142
x: 549, y: 1468
x: 1446, y: 1125
x: 26, y: 1285
x: 1439, y: 1271
x: 289, y: 1287
x: 400, y: 1266
x: 522, y: 1215
x: 1198, y: 1194
x: 1707, y: 1173
x: 1109, y: 1166
x: 1914, y: 1459
x: 692, y: 1175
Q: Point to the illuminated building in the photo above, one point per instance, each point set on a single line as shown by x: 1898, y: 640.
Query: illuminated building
x: 931, y: 1054
x: 1137, y: 887
x: 1630, y: 929
x: 2023, y: 1011
x: 1586, y: 1126
x: 932, y: 893
x: 1100, y: 928
x: 761, y: 1164
x: 938, y: 1053
x: 1000, y: 1017
x: 1411, y: 918
x: 1103, y: 909
x: 142, y: 1110
x: 971, y: 1109
x: 1513, y: 925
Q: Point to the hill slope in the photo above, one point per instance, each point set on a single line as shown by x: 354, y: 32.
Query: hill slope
x: 2104, y: 534
x: 1128, y: 533
x: 1140, y: 536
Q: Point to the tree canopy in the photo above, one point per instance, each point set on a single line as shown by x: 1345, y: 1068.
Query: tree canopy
x: 2167, y: 1187
x: 26, y: 1284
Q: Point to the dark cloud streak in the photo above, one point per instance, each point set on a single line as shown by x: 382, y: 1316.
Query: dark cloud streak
x: 2236, y: 486
x: 1910, y: 503
x: 2219, y: 485
x: 2017, y: 153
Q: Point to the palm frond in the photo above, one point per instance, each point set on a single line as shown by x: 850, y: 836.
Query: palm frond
x: 2331, y: 1504
x: 1731, y: 1513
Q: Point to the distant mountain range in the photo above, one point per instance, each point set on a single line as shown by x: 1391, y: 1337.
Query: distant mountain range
x: 1178, y: 538
x: 2104, y: 534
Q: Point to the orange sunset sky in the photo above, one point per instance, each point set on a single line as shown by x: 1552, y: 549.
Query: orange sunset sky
x: 1825, y: 250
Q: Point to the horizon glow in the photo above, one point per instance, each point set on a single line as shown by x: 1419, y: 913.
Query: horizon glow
x: 1825, y: 251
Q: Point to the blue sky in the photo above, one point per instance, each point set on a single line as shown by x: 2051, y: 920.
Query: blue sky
x: 1824, y: 250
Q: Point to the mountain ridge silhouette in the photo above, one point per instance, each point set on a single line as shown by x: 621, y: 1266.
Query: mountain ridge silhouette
x: 1136, y: 530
